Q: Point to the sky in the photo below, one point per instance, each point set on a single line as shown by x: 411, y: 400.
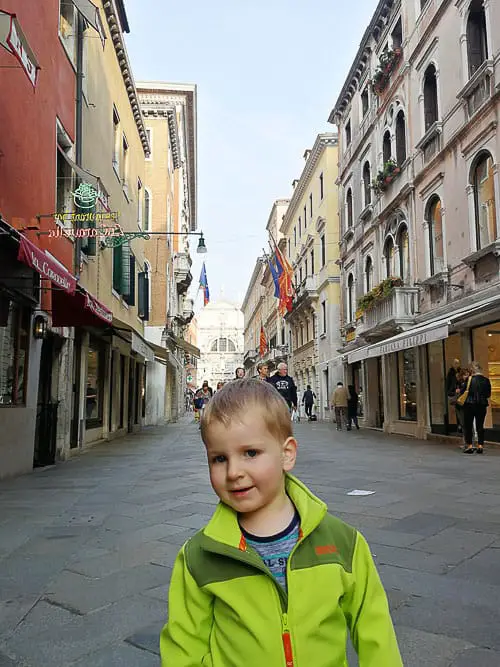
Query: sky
x: 268, y: 74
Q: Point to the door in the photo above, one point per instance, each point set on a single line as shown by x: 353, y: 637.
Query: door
x: 131, y: 396
x: 380, y: 411
x: 46, y: 413
x: 75, y: 397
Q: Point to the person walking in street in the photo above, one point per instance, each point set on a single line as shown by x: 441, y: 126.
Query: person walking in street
x: 239, y: 373
x: 453, y: 379
x: 352, y: 408
x: 262, y: 371
x: 461, y: 386
x: 285, y: 385
x: 475, y: 402
x: 270, y: 540
x: 308, y: 401
x: 340, y: 401
x: 202, y: 397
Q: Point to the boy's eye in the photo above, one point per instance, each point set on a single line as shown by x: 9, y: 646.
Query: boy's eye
x: 220, y: 458
x: 251, y: 453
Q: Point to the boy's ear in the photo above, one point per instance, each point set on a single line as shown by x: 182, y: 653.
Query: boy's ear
x: 289, y: 454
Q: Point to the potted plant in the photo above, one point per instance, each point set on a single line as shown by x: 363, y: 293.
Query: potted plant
x: 387, y: 63
x: 377, y: 294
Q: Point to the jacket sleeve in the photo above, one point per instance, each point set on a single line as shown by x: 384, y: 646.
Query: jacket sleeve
x: 293, y: 393
x: 367, y: 613
x: 185, y: 639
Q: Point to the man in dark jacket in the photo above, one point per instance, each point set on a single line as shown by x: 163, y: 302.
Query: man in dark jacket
x: 308, y: 400
x: 285, y: 385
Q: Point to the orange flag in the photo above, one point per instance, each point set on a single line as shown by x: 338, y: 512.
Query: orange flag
x: 262, y: 341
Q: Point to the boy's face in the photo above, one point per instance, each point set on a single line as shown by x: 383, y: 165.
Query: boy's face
x: 247, y: 463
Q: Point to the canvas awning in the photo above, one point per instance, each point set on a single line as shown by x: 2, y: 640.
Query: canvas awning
x: 81, y: 309
x: 47, y: 266
x: 14, y: 41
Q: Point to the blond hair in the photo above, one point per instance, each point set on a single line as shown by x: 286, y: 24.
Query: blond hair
x: 235, y: 398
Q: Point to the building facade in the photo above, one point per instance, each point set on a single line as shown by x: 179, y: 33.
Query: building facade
x: 220, y: 339
x: 419, y: 192
x: 169, y: 193
x: 311, y: 240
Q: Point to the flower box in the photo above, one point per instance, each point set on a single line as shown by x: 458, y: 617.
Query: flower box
x: 388, y: 63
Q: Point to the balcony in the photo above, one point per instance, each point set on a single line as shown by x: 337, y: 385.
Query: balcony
x: 182, y: 273
x: 307, y: 292
x: 478, y: 89
x: 250, y: 357
x: 394, y: 312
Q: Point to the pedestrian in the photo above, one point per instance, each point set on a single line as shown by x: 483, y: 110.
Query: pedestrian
x: 285, y: 385
x: 262, y: 371
x: 239, y: 374
x: 352, y: 408
x: 220, y: 384
x: 475, y: 402
x: 202, y: 397
x: 270, y: 540
x: 461, y: 385
x: 340, y: 400
x: 308, y: 401
x: 453, y: 378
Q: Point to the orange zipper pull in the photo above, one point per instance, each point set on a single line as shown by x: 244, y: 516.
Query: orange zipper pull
x: 287, y: 642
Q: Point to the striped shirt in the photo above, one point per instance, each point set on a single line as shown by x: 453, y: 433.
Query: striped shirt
x: 276, y: 549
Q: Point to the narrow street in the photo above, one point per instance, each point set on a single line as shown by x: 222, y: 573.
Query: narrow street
x: 86, y: 547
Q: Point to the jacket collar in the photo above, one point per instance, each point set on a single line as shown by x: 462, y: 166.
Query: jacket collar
x: 223, y: 526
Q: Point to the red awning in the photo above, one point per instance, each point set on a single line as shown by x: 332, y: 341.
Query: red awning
x: 81, y: 309
x: 46, y: 266
x: 12, y: 38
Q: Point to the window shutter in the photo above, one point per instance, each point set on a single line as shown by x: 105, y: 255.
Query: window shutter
x: 117, y: 269
x: 130, y: 297
x: 143, y: 295
x: 125, y: 282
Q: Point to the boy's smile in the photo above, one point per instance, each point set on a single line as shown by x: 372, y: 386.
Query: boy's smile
x: 247, y: 465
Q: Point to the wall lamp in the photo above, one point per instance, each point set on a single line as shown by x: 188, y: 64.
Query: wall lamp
x: 39, y: 327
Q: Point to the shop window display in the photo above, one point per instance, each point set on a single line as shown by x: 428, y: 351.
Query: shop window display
x: 93, y: 391
x: 407, y: 377
x: 14, y: 342
x: 486, y: 345
x: 441, y: 357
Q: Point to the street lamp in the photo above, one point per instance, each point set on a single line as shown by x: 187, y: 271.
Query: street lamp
x: 202, y: 248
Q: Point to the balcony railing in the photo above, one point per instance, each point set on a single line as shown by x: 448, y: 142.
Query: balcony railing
x: 398, y: 309
x: 479, y: 88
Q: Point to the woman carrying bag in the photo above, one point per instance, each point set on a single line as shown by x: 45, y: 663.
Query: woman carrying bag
x: 475, y: 402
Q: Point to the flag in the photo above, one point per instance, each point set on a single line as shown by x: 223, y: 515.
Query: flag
x: 262, y: 341
x: 204, y: 285
x: 275, y: 272
x: 285, y: 282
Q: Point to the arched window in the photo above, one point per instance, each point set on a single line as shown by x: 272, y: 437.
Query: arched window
x: 223, y: 345
x: 400, y: 138
x: 147, y: 210
x: 348, y: 203
x: 436, y: 249
x: 389, y: 257
x: 368, y: 274
x: 367, y: 184
x: 484, y: 201
x: 404, y: 253
x: 214, y: 346
x: 350, y: 298
x: 386, y: 147
x: 477, y: 44
x: 430, y: 97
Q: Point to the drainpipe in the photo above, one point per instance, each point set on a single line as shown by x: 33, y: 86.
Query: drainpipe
x: 79, y: 124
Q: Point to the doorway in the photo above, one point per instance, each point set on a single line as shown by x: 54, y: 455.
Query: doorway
x: 46, y: 412
x: 379, y: 421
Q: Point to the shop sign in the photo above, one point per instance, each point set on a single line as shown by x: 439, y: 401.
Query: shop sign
x: 139, y: 346
x: 350, y: 336
x: 13, y: 39
x: 98, y: 309
x: 47, y: 267
x: 415, y: 340
x: 87, y: 232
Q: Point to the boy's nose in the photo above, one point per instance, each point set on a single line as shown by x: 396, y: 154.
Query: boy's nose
x: 233, y: 469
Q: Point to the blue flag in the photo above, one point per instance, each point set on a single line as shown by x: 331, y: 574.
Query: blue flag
x: 276, y: 277
x: 204, y: 285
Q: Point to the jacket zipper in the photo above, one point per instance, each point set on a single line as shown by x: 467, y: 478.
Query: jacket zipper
x: 287, y: 642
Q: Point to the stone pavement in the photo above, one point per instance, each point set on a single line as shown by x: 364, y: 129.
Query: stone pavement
x: 86, y: 548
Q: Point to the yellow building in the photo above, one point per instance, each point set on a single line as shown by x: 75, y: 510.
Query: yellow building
x: 170, y: 188
x: 310, y: 240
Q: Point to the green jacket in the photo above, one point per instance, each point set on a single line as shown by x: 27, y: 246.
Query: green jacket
x: 227, y: 610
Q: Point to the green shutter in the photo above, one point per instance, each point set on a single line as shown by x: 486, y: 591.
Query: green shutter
x: 125, y: 283
x: 130, y: 298
x: 117, y: 269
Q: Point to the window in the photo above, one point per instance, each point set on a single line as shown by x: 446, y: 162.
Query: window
x: 348, y: 135
x: 312, y: 262
x: 323, y: 251
x: 407, y: 384
x: 400, y: 138
x: 397, y: 35
x: 423, y: 3
x: 300, y: 275
x: 289, y: 248
x: 147, y: 210
x: 477, y: 44
x: 129, y: 297
x: 404, y: 253
x: 350, y: 298
x: 311, y: 205
x: 64, y: 174
x: 484, y: 201
x: 365, y: 102
x: 349, y: 213
x: 94, y: 384
x: 321, y: 188
x: 143, y: 293
x: 68, y: 31
x: 305, y: 216
x: 116, y: 141
x: 300, y: 226
x: 368, y: 274
x: 121, y: 269
x: 295, y: 236
x: 227, y: 345
x: 389, y: 257
x: 367, y: 184
x: 125, y: 166
x: 386, y: 147
x: 14, y: 346
x: 323, y: 315
x: 436, y: 250
x: 430, y: 97
x: 140, y: 203
x: 305, y: 268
